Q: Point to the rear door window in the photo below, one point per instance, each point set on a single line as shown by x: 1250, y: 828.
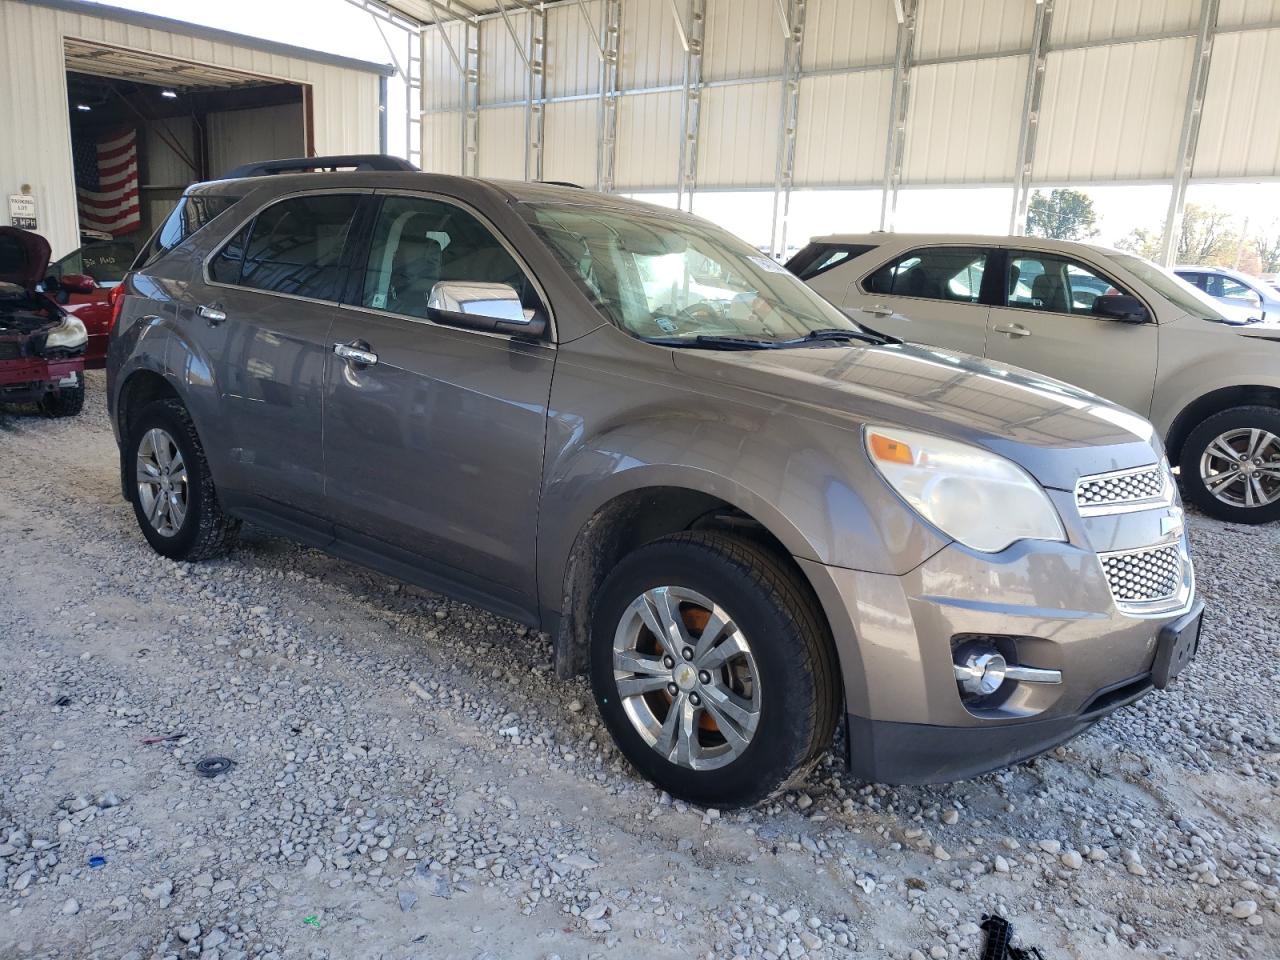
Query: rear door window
x: 932, y: 273
x: 293, y: 247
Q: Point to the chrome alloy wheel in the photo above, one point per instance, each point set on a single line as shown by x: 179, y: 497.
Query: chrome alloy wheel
x: 162, y: 482
x: 1242, y: 467
x: 686, y: 678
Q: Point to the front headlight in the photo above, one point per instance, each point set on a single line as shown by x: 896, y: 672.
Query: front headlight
x: 976, y: 497
x: 69, y: 335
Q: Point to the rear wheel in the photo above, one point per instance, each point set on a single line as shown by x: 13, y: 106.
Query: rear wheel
x: 66, y: 401
x: 170, y: 487
x: 713, y: 668
x: 1230, y: 465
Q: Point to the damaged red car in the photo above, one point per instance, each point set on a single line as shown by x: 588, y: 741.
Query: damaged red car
x: 41, y: 345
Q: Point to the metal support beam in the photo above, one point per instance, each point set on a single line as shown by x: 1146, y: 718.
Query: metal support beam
x: 536, y: 107
x: 1031, y: 99
x: 591, y: 28
x: 408, y: 67
x: 471, y: 99
x: 690, y: 101
x: 1190, y: 130
x: 788, y: 122
x: 607, y: 132
x: 895, y: 142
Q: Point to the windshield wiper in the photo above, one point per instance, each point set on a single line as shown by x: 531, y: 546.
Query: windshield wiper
x: 715, y: 342
x: 836, y: 333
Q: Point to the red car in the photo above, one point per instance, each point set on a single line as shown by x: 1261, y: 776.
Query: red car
x: 41, y: 345
x: 82, y: 282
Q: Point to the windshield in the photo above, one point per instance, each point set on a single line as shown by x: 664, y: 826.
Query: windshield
x: 676, y: 280
x: 1174, y: 289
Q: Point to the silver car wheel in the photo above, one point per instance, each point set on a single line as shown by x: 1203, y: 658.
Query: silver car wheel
x: 162, y: 482
x: 686, y: 678
x: 1242, y: 467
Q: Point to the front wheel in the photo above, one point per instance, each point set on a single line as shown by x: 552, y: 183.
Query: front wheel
x: 1230, y: 465
x: 713, y: 668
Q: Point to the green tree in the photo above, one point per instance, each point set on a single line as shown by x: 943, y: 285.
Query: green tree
x: 1062, y: 214
x: 1268, y: 252
x: 1207, y: 238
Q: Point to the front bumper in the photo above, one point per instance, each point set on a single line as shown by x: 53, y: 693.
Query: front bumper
x: 31, y: 378
x: 1049, y: 605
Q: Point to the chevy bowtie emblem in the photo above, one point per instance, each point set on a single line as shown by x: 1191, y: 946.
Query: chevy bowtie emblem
x: 1171, y: 525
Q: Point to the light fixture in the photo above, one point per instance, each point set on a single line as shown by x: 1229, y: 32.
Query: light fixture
x: 169, y: 94
x: 84, y: 107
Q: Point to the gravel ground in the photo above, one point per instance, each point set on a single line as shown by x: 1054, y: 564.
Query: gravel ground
x: 411, y: 781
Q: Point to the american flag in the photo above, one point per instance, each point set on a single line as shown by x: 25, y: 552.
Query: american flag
x: 107, y: 182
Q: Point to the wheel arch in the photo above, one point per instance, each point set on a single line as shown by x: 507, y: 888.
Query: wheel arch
x: 1213, y: 402
x: 631, y: 519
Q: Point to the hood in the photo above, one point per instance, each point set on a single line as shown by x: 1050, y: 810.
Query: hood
x: 24, y: 257
x: 1056, y: 432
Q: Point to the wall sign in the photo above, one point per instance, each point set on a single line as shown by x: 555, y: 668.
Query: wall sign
x: 22, y: 211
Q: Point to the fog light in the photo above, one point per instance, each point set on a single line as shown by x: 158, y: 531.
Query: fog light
x: 981, y: 672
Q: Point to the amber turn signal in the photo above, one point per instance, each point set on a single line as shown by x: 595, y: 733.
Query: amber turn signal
x: 890, y: 450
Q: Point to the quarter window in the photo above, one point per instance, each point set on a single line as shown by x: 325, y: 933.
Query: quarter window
x: 934, y: 273
x: 192, y: 213
x: 819, y: 258
x: 294, y: 247
x: 418, y: 242
x: 1054, y: 284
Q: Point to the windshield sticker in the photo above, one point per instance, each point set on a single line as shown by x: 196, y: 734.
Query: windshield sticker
x: 767, y: 263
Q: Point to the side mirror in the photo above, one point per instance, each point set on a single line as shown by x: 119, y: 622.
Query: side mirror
x: 1122, y: 307
x: 478, y: 305
x: 77, y: 283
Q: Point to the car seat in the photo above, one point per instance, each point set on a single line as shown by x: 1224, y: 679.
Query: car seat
x: 415, y: 270
x: 1049, y: 289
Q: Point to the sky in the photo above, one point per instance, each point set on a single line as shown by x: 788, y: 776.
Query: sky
x: 346, y: 30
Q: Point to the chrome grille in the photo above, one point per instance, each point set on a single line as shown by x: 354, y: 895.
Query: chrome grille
x: 1127, y: 486
x: 1144, y: 576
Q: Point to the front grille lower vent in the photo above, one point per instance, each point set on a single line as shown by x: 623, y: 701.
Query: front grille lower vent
x: 1144, y: 576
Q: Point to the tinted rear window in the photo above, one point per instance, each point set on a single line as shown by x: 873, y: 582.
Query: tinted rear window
x: 294, y: 247
x: 818, y: 258
x: 192, y: 213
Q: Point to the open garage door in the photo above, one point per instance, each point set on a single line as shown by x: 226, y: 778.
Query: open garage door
x: 145, y: 126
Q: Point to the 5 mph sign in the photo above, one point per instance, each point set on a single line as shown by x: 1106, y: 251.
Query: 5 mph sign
x: 22, y: 211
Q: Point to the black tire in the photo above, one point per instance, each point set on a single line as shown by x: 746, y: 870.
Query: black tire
x: 205, y: 530
x: 1194, y: 488
x: 788, y: 637
x: 64, y: 401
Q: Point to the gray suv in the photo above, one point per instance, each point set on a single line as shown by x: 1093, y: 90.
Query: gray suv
x: 748, y: 518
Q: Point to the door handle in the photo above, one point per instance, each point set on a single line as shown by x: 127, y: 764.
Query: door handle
x: 1013, y: 330
x: 879, y: 310
x: 213, y: 314
x: 356, y: 353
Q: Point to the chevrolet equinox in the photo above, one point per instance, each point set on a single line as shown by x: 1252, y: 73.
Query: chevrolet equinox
x: 748, y: 518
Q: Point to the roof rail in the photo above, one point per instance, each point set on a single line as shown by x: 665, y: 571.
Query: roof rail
x: 563, y: 183
x: 354, y: 161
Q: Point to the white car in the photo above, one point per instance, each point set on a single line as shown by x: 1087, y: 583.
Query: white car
x: 1235, y: 289
x: 1105, y: 320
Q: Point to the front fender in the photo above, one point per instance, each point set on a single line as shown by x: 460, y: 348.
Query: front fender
x: 809, y: 483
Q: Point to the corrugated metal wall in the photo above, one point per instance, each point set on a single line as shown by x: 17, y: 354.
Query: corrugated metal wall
x: 38, y: 153
x: 239, y: 136
x: 1112, y: 110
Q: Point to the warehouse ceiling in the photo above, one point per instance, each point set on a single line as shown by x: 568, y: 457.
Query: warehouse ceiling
x: 103, y: 60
